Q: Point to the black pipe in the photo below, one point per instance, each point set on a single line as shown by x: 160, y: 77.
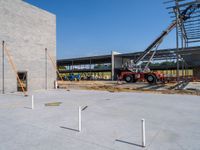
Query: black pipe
x: 3, y: 49
x: 46, y: 69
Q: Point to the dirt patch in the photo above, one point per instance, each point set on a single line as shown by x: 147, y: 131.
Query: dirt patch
x: 53, y: 104
x: 115, y: 89
x: 112, y: 86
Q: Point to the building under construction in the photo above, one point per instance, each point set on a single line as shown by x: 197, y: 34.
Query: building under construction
x: 28, y: 37
x: 180, y: 63
x: 108, y: 66
x: 26, y: 31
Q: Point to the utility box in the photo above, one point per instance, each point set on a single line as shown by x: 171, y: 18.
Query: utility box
x: 27, y: 32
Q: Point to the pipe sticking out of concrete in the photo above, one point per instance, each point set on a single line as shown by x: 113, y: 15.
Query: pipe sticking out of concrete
x: 79, y: 119
x: 32, y: 101
x: 143, y: 133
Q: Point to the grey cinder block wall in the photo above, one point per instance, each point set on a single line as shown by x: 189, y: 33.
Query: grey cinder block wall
x: 27, y: 31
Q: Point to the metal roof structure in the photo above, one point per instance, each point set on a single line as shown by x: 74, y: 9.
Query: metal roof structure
x: 85, y: 60
x: 189, y: 30
x: 191, y: 56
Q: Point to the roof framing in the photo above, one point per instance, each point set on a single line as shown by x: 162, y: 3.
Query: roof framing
x: 190, y: 29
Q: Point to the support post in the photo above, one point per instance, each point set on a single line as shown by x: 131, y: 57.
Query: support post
x: 3, y: 73
x: 32, y: 102
x: 90, y: 69
x: 112, y: 65
x: 143, y: 133
x: 177, y: 45
x: 46, y: 69
x: 183, y: 69
x: 79, y: 119
x: 72, y: 66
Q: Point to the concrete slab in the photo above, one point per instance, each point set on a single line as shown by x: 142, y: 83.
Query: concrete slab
x: 111, y: 121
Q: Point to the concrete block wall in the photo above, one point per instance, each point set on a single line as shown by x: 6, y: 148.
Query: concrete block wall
x: 27, y: 31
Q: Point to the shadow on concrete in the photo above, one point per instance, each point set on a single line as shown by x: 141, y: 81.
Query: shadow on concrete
x: 121, y: 141
x: 27, y: 107
x: 84, y: 108
x: 144, y: 87
x: 69, y: 129
x: 157, y: 87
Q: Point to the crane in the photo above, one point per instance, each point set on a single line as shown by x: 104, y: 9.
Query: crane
x: 132, y: 69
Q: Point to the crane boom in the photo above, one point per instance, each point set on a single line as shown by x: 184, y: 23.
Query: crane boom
x: 183, y: 17
x: 133, y: 71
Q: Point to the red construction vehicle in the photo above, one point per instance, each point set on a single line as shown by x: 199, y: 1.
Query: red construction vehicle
x: 132, y: 71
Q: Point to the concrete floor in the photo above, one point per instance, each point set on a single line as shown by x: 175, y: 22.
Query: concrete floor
x: 111, y: 121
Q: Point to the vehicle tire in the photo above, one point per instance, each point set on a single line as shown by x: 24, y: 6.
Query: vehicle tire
x: 151, y: 79
x: 128, y: 78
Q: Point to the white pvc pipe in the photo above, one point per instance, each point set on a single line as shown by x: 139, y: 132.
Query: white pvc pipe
x: 79, y: 119
x: 32, y: 106
x: 143, y: 133
x: 56, y: 84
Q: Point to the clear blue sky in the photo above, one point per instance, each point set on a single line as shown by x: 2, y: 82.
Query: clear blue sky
x: 93, y: 27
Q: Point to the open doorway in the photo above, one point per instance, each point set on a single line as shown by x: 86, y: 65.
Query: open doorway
x: 23, y: 78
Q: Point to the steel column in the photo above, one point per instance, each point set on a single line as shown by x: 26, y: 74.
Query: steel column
x: 177, y: 44
x: 46, y: 80
x: 3, y: 63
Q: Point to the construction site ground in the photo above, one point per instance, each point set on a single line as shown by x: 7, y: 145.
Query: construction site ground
x: 191, y: 88
x: 110, y: 121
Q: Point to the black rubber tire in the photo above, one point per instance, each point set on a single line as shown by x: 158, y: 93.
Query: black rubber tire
x: 128, y: 78
x: 151, y: 79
